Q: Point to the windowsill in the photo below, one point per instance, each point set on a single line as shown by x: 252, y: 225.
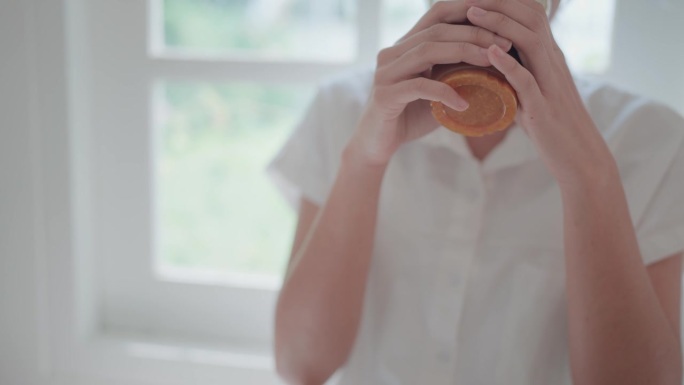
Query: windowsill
x: 235, y: 355
x: 211, y: 277
x: 122, y: 357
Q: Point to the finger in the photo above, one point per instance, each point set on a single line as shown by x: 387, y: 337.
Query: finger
x: 425, y: 55
x: 400, y: 94
x: 538, y: 6
x: 519, y: 77
x: 529, y: 44
x: 528, y: 13
x: 448, y: 12
x: 450, y: 33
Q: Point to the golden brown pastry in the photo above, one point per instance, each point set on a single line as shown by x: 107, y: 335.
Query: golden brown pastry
x: 493, y: 102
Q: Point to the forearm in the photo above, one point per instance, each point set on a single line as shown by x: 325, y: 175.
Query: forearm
x: 618, y: 331
x: 320, y: 304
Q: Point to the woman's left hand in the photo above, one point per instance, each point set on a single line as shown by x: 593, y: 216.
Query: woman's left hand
x: 551, y: 110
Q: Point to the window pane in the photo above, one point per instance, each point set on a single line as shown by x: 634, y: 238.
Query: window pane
x: 398, y: 17
x: 583, y: 29
x: 265, y: 29
x: 216, y: 208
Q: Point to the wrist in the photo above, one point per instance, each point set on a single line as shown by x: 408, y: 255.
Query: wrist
x: 593, y: 168
x: 595, y: 180
x: 356, y: 172
x: 356, y: 155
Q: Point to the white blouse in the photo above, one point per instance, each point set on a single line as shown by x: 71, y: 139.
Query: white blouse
x: 467, y: 281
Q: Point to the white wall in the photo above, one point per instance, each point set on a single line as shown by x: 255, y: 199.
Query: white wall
x: 25, y: 351
x: 648, y: 55
x: 22, y: 354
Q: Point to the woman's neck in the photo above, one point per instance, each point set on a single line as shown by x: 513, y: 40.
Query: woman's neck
x: 481, y: 146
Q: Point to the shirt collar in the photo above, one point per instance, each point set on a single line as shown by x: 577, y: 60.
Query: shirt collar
x: 516, y: 148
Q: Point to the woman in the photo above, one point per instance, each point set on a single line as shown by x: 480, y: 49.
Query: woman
x: 549, y: 253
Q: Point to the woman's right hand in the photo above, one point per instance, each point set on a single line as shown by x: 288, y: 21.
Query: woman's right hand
x: 398, y: 110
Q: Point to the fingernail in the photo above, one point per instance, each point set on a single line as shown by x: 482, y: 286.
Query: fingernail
x: 498, y: 51
x: 462, y: 105
x: 477, y: 11
x: 502, y: 42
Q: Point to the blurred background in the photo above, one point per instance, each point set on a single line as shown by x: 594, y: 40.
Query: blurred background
x: 141, y: 241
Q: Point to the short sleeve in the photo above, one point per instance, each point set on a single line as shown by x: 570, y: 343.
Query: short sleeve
x: 660, y: 227
x: 660, y: 231
x: 302, y: 166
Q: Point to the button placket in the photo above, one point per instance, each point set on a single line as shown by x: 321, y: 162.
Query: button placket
x: 448, y: 302
x: 445, y: 302
x: 477, y: 196
x: 451, y: 281
x: 472, y: 194
x: 474, y: 197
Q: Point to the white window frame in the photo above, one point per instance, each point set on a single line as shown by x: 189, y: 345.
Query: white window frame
x: 126, y: 70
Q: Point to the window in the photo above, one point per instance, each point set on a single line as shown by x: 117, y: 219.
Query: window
x: 584, y: 30
x: 218, y: 218
x: 190, y: 98
x: 268, y: 30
